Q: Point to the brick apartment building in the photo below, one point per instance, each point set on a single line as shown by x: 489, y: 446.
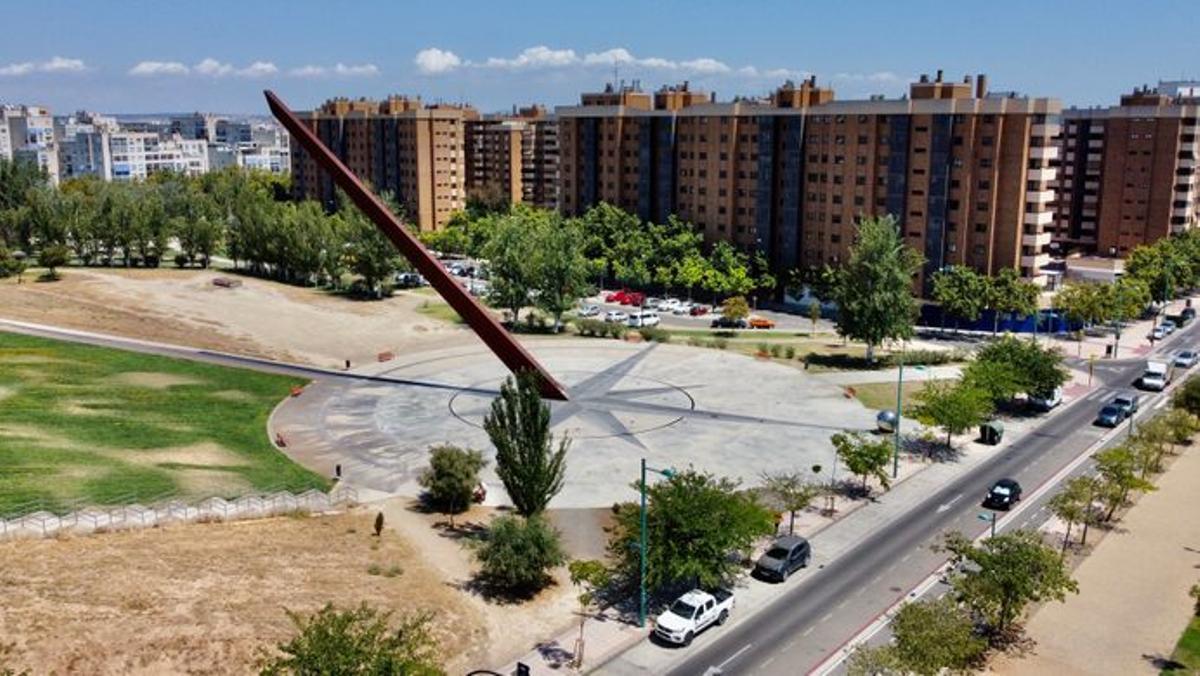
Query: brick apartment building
x: 967, y: 173
x: 1128, y: 172
x: 399, y: 145
x: 513, y: 158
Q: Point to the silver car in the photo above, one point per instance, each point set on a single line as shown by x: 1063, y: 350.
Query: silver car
x: 1186, y: 359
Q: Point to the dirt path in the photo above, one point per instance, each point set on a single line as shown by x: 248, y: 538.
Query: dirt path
x: 1132, y: 602
x: 260, y: 318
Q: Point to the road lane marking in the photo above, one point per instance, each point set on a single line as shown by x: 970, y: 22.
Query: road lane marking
x: 876, y: 579
x: 949, y: 503
x: 809, y: 630
x: 825, y: 619
x: 734, y: 656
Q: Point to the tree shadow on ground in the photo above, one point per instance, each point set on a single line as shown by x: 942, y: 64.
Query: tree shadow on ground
x: 1164, y: 664
x: 932, y: 450
x: 491, y: 592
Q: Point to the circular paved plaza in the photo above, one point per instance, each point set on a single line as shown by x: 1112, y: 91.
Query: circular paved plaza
x: 676, y: 406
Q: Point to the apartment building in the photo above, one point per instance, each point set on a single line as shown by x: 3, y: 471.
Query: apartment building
x: 27, y: 132
x: 513, y: 158
x: 83, y: 145
x: 1128, y: 174
x: 137, y: 155
x: 399, y: 145
x: 966, y: 173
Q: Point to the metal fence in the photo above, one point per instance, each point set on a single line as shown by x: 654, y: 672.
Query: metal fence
x: 35, y: 520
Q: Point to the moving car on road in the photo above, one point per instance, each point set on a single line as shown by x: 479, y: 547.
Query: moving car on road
x: 691, y: 614
x: 1003, y: 495
x: 783, y: 558
x: 1126, y: 402
x: 1158, y: 374
x: 1110, y: 416
x: 1186, y: 359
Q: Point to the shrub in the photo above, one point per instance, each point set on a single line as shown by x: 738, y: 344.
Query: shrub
x: 1187, y: 397
x: 763, y: 349
x: 591, y: 328
x: 181, y: 260
x: 790, y: 352
x: 356, y: 641
x: 776, y: 351
x: 721, y: 343
x: 451, y: 478
x: 517, y: 554
x: 695, y: 342
x: 655, y: 334
x: 617, y: 331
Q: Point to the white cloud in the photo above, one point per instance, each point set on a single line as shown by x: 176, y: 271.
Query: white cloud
x: 704, y: 66
x: 57, y: 64
x: 258, y: 69
x: 356, y: 70
x: 213, y: 68
x: 616, y: 55
x: 433, y: 61
x: 536, y: 57
x: 883, y: 76
x: 149, y: 68
x: 308, y: 71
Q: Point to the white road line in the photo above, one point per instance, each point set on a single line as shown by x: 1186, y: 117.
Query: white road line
x: 825, y: 619
x: 906, y: 557
x: 876, y: 579
x: 792, y: 643
x: 808, y: 631
x: 734, y: 656
x: 860, y: 592
x: 768, y: 661
x: 842, y: 604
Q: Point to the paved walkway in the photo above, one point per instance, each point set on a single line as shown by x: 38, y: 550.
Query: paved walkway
x: 1132, y: 602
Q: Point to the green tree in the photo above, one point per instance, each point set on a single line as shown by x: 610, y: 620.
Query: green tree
x: 1005, y: 573
x: 591, y: 578
x: 560, y: 270
x: 814, y: 313
x: 1072, y: 505
x: 955, y: 408
x: 356, y: 641
x: 1000, y: 380
x: 961, y: 292
x: 1007, y: 293
x: 1187, y: 397
x: 517, y: 554
x: 512, y: 257
x: 1085, y: 304
x: 873, y: 289
x: 367, y: 252
x: 864, y: 457
x: 881, y: 660
x: 52, y: 257
x: 691, y: 271
x: 735, y: 307
x: 451, y: 478
x: 792, y: 492
x: 1126, y: 299
x: 1159, y: 266
x: 1118, y: 471
x: 527, y: 461
x: 1038, y: 370
x: 929, y: 638
x: 695, y: 522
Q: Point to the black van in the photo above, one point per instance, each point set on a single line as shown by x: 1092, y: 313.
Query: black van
x: 784, y: 557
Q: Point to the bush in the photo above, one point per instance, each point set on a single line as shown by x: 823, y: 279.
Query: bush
x: 617, y: 331
x: 181, y: 260
x: 451, y: 478
x: 721, y: 343
x: 695, y: 342
x: 776, y: 351
x: 655, y: 334
x: 1187, y: 397
x: 356, y: 641
x: 763, y: 349
x: 790, y: 352
x: 591, y: 328
x: 517, y: 554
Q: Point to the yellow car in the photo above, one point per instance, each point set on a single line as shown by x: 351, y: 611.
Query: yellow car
x: 761, y: 323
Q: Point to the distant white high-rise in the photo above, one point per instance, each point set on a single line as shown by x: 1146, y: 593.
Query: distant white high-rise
x: 27, y: 132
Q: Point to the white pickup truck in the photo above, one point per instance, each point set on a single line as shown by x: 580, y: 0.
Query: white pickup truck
x: 1158, y: 374
x: 691, y: 614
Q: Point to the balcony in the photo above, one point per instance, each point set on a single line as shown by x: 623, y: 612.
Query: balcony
x: 1036, y: 261
x: 1187, y: 164
x: 1039, y: 240
x: 1039, y: 218
x: 1181, y: 211
x: 1045, y: 130
x: 1044, y: 152
x: 1039, y: 196
x: 1040, y: 175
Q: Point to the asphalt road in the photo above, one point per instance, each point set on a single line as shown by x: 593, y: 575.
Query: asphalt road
x: 818, y: 612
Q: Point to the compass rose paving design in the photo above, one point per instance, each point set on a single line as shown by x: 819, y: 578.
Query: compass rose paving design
x: 720, y: 412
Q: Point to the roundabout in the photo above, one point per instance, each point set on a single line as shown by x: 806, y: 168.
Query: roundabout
x: 720, y: 412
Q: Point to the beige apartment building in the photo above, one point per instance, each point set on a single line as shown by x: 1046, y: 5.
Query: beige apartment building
x: 513, y: 158
x: 1128, y: 173
x: 967, y: 173
x: 399, y: 145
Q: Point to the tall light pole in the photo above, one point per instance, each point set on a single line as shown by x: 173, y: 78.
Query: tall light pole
x: 899, y: 416
x: 642, y: 546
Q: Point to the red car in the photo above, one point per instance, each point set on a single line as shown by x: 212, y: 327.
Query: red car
x: 616, y: 297
x: 634, y: 298
x: 698, y: 310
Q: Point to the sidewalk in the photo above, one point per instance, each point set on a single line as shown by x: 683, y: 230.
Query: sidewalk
x: 1132, y: 602
x: 1134, y: 342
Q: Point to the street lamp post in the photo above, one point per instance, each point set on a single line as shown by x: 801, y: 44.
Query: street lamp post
x: 642, y: 546
x: 899, y: 416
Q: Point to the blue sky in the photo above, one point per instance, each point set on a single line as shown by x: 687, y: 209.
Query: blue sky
x: 217, y: 55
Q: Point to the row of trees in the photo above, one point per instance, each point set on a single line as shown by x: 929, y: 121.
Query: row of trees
x: 245, y: 215
x: 964, y: 294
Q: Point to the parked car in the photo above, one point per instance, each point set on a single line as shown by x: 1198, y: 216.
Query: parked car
x: 684, y: 308
x: 1127, y: 402
x: 652, y: 303
x: 1110, y: 416
x: 784, y: 557
x: 757, y: 322
x: 668, y: 304
x: 698, y: 310
x: 1047, y: 402
x: 1188, y: 314
x: 634, y: 298
x: 1003, y: 495
x: 1168, y: 326
x: 409, y: 280
x: 724, y: 322
x: 1186, y: 359
x: 615, y: 296
x: 643, y: 318
x: 615, y: 317
x: 589, y: 310
x: 691, y: 614
x: 1158, y: 333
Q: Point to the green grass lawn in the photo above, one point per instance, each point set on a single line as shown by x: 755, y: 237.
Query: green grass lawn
x: 1187, y: 651
x: 439, y: 310
x: 107, y: 426
x: 879, y: 396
